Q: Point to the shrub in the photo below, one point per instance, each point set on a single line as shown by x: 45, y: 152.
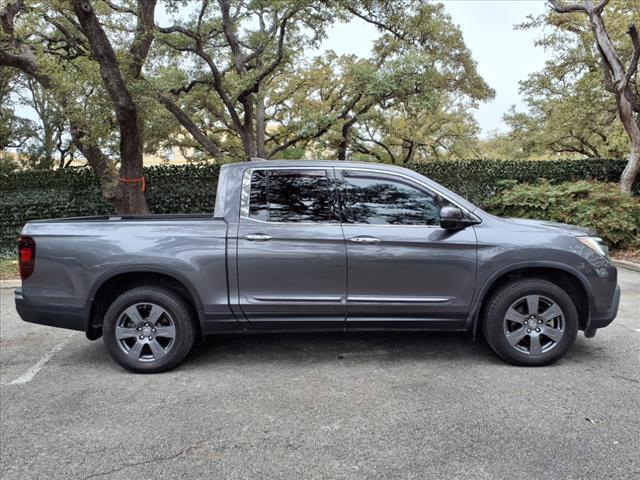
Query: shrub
x: 478, y: 180
x: 596, y: 205
x: 32, y: 195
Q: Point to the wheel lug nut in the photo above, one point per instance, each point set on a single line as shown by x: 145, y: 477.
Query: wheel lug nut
x: 153, y: 330
x: 539, y: 321
x: 139, y: 329
x: 528, y: 330
x: 538, y: 330
x: 150, y: 337
x: 141, y: 337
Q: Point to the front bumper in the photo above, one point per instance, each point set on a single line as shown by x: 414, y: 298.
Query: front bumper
x: 61, y: 316
x: 600, y: 319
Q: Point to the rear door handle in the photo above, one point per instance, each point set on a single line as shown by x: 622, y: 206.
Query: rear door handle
x: 365, y: 239
x: 257, y: 237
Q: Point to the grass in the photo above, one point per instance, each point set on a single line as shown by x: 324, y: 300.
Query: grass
x: 9, y: 269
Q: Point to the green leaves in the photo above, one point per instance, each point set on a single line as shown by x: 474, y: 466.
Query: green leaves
x: 480, y: 180
x: 596, y: 205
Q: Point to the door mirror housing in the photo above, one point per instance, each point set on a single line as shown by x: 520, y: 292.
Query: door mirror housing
x: 453, y: 218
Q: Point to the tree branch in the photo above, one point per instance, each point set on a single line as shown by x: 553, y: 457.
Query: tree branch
x: 8, y: 15
x: 228, y: 28
x: 143, y: 39
x: 578, y: 7
x: 188, y: 87
x: 269, y: 69
x: 106, y: 57
x: 377, y: 23
x: 191, y: 127
x: 119, y: 8
x: 177, y: 29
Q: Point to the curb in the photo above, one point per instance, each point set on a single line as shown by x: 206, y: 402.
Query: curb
x: 628, y: 265
x: 10, y: 284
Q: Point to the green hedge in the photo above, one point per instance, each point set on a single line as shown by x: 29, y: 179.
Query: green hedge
x: 478, y: 180
x: 191, y: 189
x: 600, y: 206
x: 70, y: 193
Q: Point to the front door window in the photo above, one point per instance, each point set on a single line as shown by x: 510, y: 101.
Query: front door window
x: 381, y: 201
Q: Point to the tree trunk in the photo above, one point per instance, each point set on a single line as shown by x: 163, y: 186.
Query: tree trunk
x: 623, y: 103
x: 132, y: 199
x: 260, y: 128
x: 47, y: 146
x: 247, y: 134
x: 616, y: 78
x: 129, y: 122
x: 631, y: 171
x: 630, y: 123
x: 344, y: 141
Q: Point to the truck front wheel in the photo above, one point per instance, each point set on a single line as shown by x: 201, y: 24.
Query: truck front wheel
x: 148, y: 330
x: 530, y: 322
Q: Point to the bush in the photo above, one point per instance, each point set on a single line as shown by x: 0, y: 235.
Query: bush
x: 31, y: 195
x: 478, y: 180
x: 596, y: 205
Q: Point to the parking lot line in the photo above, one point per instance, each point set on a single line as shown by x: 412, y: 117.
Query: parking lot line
x: 27, y: 376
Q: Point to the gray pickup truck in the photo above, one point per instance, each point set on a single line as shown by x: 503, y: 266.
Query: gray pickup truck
x: 312, y: 246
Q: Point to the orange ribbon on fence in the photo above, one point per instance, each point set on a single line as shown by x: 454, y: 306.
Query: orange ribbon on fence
x: 135, y: 180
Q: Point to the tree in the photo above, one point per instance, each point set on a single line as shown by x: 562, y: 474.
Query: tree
x: 421, y: 87
x: 237, y: 48
x: 251, y: 91
x: 570, y: 114
x: 229, y: 79
x: 618, y: 78
x: 15, y: 132
x: 49, y: 139
x: 410, y: 133
x: 114, y: 75
x: 74, y: 38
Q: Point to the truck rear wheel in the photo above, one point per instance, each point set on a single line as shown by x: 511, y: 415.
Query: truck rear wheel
x: 148, y: 330
x: 530, y: 322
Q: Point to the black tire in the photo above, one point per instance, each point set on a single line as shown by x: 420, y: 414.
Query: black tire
x: 142, y: 301
x: 497, y: 328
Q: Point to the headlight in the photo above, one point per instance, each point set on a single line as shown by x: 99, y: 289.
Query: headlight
x: 596, y: 244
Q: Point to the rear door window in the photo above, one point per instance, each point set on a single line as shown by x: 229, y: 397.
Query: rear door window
x: 290, y: 196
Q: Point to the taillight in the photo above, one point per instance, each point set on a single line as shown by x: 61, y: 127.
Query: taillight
x: 26, y: 256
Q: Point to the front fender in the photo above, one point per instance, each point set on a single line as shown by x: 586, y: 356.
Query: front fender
x: 485, y: 286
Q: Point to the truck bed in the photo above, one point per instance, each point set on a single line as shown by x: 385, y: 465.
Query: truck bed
x: 74, y: 257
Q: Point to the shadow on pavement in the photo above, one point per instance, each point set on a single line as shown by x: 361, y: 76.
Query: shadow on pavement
x: 350, y: 348
x: 341, y: 346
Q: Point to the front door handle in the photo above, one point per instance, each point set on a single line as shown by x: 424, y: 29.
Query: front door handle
x: 365, y: 239
x: 257, y: 237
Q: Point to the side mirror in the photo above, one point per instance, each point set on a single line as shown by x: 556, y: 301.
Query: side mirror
x: 452, y: 218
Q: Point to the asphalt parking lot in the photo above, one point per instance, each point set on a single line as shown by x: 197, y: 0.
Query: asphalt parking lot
x: 356, y: 406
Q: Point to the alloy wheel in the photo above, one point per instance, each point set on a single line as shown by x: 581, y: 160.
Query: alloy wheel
x: 145, y: 332
x: 534, y: 324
